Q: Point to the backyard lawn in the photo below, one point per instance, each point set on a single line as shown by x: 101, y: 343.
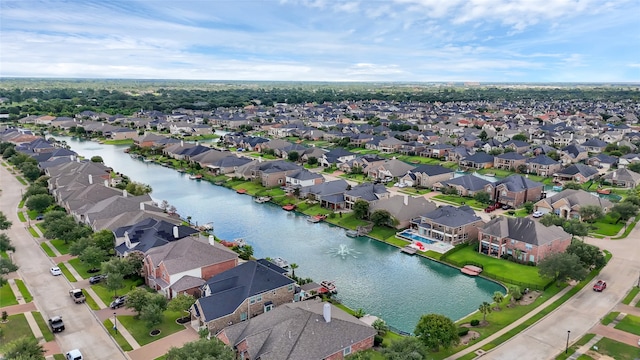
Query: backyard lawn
x: 500, y: 269
x: 460, y: 200
x: 140, y: 331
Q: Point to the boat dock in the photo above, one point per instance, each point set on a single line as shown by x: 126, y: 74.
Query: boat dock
x: 471, y: 270
x: 409, y: 250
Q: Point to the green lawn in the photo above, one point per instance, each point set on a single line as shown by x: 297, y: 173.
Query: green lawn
x: 607, y: 319
x: 122, y: 342
x: 47, y: 249
x: 67, y: 273
x: 21, y: 204
x: 632, y: 294
x: 118, y: 142
x: 140, y: 331
x: 575, y: 346
x: 605, y: 227
x: 61, y: 246
x: 81, y: 268
x: 16, y: 327
x: 460, y: 200
x: 33, y: 232
x: 348, y: 221
x: 108, y: 295
x: 42, y: 324
x: 499, y: 269
x: 6, y: 296
x: 383, y: 233
x: 617, y: 350
x: 21, y: 180
x: 21, y: 216
x: 32, y: 214
x: 23, y: 290
x: 92, y: 303
x: 630, y: 324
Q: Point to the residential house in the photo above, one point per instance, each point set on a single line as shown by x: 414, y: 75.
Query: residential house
x: 240, y: 294
x: 424, y: 176
x: 568, y: 202
x: 366, y: 191
x: 603, y: 162
x: 449, y: 224
x: 147, y: 234
x: 303, y: 177
x: 329, y: 194
x: 387, y: 170
x: 622, y: 178
x: 518, y: 146
x: 542, y: 165
x: 579, y: 173
x: 525, y: 239
x: 515, y: 190
x: 594, y: 145
x: 466, y: 185
x: 302, y: 330
x: 123, y: 134
x: 183, y: 266
x: 628, y: 159
x: 390, y: 145
x: 403, y: 208
x: 147, y: 140
x: 273, y: 173
x: 336, y: 156
x: 509, y: 161
x: 477, y: 161
x: 437, y: 151
x: 573, y: 153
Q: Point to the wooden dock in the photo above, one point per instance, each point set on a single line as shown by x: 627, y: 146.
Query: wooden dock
x: 409, y: 250
x: 471, y: 270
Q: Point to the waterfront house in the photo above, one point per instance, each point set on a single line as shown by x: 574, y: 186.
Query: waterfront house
x: 579, y: 173
x: 424, y: 176
x: 183, y: 266
x: 147, y: 140
x: 98, y: 215
x: 329, y: 194
x: 123, y: 134
x: 542, y: 165
x: 147, y: 234
x: 624, y: 178
x: 303, y: 177
x: 303, y: 330
x: 449, y: 224
x: 403, y: 208
x: 271, y: 173
x: 568, y: 202
x: 509, y: 161
x: 515, y: 190
x: 240, y: 294
x: 525, y: 239
x: 466, y: 185
x: 366, y: 191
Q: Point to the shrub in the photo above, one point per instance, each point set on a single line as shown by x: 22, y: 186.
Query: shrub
x: 475, y: 322
x: 377, y: 340
x: 463, y: 331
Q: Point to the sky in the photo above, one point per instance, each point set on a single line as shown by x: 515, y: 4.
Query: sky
x: 324, y: 40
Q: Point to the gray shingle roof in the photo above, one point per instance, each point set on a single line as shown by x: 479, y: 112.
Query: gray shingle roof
x: 431, y: 170
x: 452, y: 216
x: 469, y: 182
x: 524, y: 229
x: 518, y: 183
x: 584, y: 170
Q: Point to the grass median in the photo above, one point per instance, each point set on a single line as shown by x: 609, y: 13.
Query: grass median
x: 117, y: 336
x: 26, y: 295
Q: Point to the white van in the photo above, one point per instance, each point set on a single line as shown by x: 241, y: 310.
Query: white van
x: 74, y: 354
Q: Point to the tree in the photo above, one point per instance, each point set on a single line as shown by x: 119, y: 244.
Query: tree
x: 575, y: 227
x: 114, y: 281
x: 213, y: 349
x: 359, y: 313
x: 5, y: 243
x: 137, y: 189
x: 293, y: 267
x: 245, y: 252
x: 435, y: 331
x: 312, y: 160
x: 104, y: 239
x: 97, y: 159
x: 484, y: 308
x: 549, y: 219
x: 24, y: 348
x: 381, y: 326
x: 406, y: 348
x: 498, y: 298
x: 360, y: 209
x: 625, y: 209
x: 381, y: 217
x: 182, y: 302
x: 34, y: 190
x: 528, y: 207
x: 483, y: 135
x: 562, y: 267
x: 136, y: 300
x: 482, y: 196
x: 520, y: 137
x: 554, y: 155
x: 6, y: 266
x: 293, y: 156
x: 39, y: 202
x: 590, y: 256
x: 93, y: 256
x: 30, y: 171
x: 591, y: 213
x: 4, y: 223
x: 151, y: 314
x: 571, y: 185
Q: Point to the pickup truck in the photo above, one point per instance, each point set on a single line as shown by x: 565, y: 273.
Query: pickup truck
x: 77, y: 296
x: 56, y: 324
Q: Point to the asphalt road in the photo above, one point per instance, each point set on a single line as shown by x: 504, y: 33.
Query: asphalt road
x: 51, y: 293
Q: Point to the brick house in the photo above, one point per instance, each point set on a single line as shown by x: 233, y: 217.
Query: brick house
x: 449, y: 224
x: 239, y: 294
x: 303, y: 330
x: 509, y: 161
x: 568, y: 202
x: 523, y: 238
x: 425, y: 176
x: 515, y: 190
x: 542, y: 165
x: 274, y: 173
x: 183, y: 266
x: 579, y: 173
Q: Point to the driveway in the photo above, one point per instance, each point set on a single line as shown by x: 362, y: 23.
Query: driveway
x: 51, y: 293
x: 547, y: 338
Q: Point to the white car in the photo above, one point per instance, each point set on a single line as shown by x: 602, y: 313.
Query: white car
x: 74, y: 354
x: 537, y: 214
x: 55, y: 271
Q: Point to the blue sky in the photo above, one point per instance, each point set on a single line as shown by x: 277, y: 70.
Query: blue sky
x: 324, y: 40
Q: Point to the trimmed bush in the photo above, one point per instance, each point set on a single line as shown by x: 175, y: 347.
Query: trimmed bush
x: 377, y: 340
x: 463, y: 331
x: 475, y: 322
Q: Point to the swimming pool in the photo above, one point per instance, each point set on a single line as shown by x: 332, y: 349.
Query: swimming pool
x: 410, y: 235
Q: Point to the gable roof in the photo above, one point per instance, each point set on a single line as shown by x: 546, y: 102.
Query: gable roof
x: 542, y: 160
x: 524, y: 229
x: 480, y: 157
x: 584, y: 170
x: 188, y: 253
x: 575, y: 198
x: 517, y: 183
x: 469, y: 182
x: 150, y: 233
x: 431, y: 170
x: 453, y: 216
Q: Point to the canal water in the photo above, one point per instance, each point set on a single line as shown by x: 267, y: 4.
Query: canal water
x: 376, y: 277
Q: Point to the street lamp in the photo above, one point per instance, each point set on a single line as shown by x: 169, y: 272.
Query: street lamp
x: 566, y: 349
x: 115, y: 323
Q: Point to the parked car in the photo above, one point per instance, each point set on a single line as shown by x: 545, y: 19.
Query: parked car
x: 491, y: 208
x: 599, y: 286
x: 55, y: 271
x: 506, y: 207
x: 118, y: 302
x: 96, y: 279
x: 537, y: 214
x: 74, y: 354
x: 40, y: 217
x: 56, y: 324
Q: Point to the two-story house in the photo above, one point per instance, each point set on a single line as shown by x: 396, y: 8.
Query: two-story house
x: 449, y: 224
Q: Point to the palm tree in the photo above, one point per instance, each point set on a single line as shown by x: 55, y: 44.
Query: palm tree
x: 498, y: 297
x: 359, y: 313
x: 293, y: 267
x: 485, y: 308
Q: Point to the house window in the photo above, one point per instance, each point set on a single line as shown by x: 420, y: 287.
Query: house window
x: 290, y: 288
x: 346, y: 351
x: 243, y: 316
x: 513, y: 241
x: 532, y: 258
x: 528, y: 246
x: 252, y: 300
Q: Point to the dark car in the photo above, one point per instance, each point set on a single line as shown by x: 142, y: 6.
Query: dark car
x: 506, y: 207
x: 118, y: 302
x: 96, y: 279
x: 56, y: 324
x: 40, y: 217
x: 599, y: 286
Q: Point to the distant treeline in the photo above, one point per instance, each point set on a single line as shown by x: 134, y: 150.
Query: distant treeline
x: 72, y: 100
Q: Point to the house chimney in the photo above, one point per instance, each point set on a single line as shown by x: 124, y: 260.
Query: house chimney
x: 181, y: 143
x: 106, y: 183
x: 406, y: 200
x: 90, y: 179
x: 142, y: 206
x: 212, y: 240
x: 124, y: 193
x: 175, y: 232
x: 326, y: 312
